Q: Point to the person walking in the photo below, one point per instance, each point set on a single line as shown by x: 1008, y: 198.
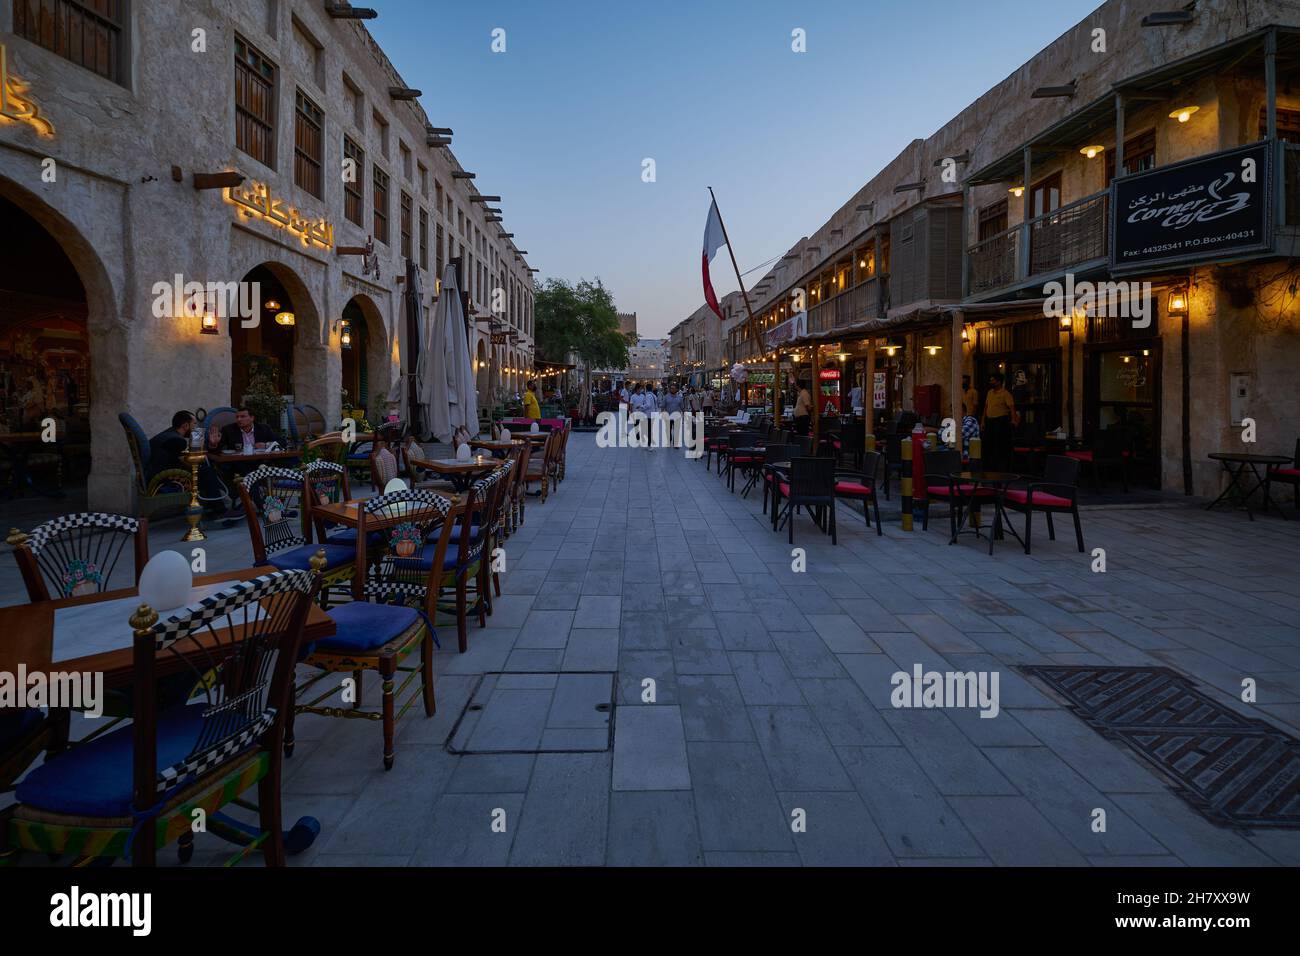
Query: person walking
x: 532, y: 408
x: 706, y: 402
x: 1000, y: 416
x: 673, y: 405
x: 643, y: 403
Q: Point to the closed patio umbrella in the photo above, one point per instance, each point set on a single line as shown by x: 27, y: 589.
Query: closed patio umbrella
x: 447, y: 385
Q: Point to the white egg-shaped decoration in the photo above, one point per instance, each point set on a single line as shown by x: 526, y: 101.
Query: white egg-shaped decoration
x: 394, y: 484
x: 166, y: 581
x: 535, y: 428
x: 463, y: 452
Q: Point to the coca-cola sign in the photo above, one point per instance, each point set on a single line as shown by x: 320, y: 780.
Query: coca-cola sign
x: 1209, y: 208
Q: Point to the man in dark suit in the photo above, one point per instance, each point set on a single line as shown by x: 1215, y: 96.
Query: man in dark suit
x: 243, y: 434
x: 165, y: 450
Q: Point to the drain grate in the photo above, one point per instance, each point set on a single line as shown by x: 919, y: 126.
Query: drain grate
x: 518, y: 713
x: 1235, y: 770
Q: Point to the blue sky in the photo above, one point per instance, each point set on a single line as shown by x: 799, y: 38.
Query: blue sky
x: 559, y: 124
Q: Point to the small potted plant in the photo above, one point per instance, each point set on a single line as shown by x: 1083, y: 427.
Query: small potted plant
x: 404, y: 539
x: 273, y: 509
x: 80, y: 578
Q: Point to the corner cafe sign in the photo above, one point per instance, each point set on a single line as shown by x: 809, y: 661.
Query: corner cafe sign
x: 1205, y: 208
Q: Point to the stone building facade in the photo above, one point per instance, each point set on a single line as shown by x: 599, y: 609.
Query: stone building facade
x: 944, y: 263
x: 332, y: 154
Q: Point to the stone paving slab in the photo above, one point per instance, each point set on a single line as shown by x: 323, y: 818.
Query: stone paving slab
x: 773, y: 689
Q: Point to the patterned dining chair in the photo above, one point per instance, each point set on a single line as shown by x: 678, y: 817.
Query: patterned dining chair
x: 76, y: 554
x: 387, y: 621
x: 277, y: 526
x: 134, y: 790
x: 383, y: 466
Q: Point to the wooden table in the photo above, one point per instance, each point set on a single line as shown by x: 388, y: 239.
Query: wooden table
x: 28, y: 632
x: 493, y: 445
x: 461, y: 474
x: 235, y: 457
x: 349, y: 514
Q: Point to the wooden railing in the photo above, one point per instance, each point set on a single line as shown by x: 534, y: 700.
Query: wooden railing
x: 1070, y: 235
x: 1051, y: 243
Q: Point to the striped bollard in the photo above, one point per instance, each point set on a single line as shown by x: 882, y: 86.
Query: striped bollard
x: 905, y: 481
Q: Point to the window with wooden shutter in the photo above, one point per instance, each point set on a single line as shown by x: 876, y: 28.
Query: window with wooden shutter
x: 254, y: 103
x: 309, y: 145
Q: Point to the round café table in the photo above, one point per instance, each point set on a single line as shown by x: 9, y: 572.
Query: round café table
x: 1241, y: 467
x: 998, y: 482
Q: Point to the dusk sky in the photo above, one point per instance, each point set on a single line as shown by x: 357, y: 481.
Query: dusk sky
x: 560, y: 123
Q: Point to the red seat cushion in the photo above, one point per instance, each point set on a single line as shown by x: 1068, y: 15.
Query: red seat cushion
x: 1025, y: 449
x: 941, y: 491
x: 1287, y: 472
x: 768, y: 476
x: 744, y: 459
x: 1020, y: 496
x: 852, y: 488
x: 836, y: 444
x: 785, y: 489
x: 1086, y: 455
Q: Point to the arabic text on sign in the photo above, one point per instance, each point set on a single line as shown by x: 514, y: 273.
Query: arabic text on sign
x: 14, y: 103
x: 256, y: 199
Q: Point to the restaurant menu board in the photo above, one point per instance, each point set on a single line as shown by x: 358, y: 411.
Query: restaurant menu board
x: 879, y: 395
x: 1201, y: 209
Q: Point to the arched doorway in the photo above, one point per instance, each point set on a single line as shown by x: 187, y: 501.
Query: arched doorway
x: 481, y: 374
x: 365, y: 362
x: 44, y: 359
x: 262, y: 356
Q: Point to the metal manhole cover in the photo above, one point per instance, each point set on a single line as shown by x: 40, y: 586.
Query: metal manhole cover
x: 512, y: 713
x: 1235, y: 770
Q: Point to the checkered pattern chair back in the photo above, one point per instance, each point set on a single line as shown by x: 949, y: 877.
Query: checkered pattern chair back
x: 76, y: 554
x: 411, y: 521
x: 273, y: 505
x: 240, y: 646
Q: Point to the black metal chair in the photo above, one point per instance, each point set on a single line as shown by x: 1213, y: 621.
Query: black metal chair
x: 811, y: 484
x: 862, y: 485
x: 740, y: 453
x: 772, y: 454
x: 1057, y: 493
x: 940, y: 466
x: 1110, y: 449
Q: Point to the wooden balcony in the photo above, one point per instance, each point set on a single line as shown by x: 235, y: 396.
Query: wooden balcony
x: 1067, y: 238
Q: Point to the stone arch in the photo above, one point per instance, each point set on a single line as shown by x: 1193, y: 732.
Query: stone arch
x: 110, y: 480
x: 311, y: 372
x: 372, y: 355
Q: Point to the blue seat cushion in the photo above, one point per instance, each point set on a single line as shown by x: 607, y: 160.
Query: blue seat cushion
x: 449, y: 559
x: 455, y: 533
x: 299, y: 559
x: 95, y: 779
x: 362, y: 626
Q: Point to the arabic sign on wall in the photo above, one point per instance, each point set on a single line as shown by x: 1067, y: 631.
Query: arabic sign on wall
x: 14, y: 102
x: 795, y: 327
x: 255, y: 199
x: 1205, y: 208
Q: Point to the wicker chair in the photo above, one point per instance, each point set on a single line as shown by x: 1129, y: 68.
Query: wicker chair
x: 169, y: 488
x: 134, y: 790
x: 76, y: 554
x: 389, y: 618
x: 811, y: 484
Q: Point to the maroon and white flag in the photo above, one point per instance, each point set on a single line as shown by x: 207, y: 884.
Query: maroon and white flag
x: 713, y: 241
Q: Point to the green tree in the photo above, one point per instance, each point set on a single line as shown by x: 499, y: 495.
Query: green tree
x: 580, y: 320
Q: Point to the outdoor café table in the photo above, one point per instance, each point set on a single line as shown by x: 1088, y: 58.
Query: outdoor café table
x: 227, y: 459
x: 347, y: 514
x: 998, y: 481
x: 498, y: 448
x: 1239, y: 488
x: 39, y: 637
x: 461, y: 474
x: 749, y: 451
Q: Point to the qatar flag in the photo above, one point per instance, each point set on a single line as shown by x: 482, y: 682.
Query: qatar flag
x: 713, y: 241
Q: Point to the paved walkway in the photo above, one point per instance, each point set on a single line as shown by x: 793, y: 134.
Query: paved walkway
x: 771, y: 704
